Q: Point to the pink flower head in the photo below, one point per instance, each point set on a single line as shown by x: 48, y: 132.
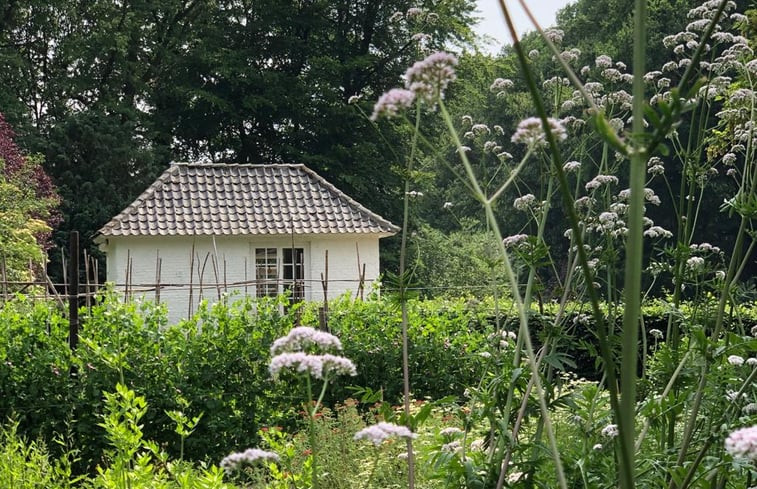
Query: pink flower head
x: 317, y: 366
x: 377, y: 433
x: 392, y: 102
x: 251, y: 456
x: 531, y: 132
x: 429, y: 78
x: 743, y: 443
x: 304, y: 338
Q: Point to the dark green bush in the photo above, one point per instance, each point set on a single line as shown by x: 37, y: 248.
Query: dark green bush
x: 217, y: 363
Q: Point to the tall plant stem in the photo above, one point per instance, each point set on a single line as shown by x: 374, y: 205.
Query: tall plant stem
x: 512, y: 279
x: 634, y: 258
x: 311, y: 434
x: 569, y: 209
x: 403, y: 300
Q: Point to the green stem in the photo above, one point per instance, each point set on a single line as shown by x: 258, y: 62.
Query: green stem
x: 403, y: 298
x: 569, y: 209
x: 634, y: 258
x: 311, y: 434
x: 517, y: 299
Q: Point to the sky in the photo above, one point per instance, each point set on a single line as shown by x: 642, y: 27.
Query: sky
x: 493, y: 21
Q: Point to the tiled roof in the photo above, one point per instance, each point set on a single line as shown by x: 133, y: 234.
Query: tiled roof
x: 220, y: 199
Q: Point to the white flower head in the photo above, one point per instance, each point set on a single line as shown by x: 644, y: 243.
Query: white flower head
x: 428, y: 78
x: 571, y: 166
x: 304, y: 338
x: 695, y: 263
x: 317, y: 366
x: 251, y: 456
x: 392, y: 103
x: 451, y: 431
x: 743, y: 443
x: 515, y: 240
x: 736, y: 360
x: 610, y: 431
x: 382, y: 431
x: 525, y: 202
x: 531, y: 132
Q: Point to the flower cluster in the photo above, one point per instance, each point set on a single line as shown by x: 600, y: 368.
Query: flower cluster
x: 296, y: 351
x: 531, y: 132
x: 302, y: 338
x: 392, y: 103
x: 610, y: 431
x: 251, y: 456
x: 382, y: 431
x: 451, y: 431
x: 743, y: 443
x: 428, y: 78
x: 317, y: 366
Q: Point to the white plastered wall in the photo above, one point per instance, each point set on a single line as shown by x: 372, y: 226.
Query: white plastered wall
x: 237, y: 256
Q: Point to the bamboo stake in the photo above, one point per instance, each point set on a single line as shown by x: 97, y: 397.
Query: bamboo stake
x: 5, y: 280
x: 126, y: 275
x: 191, y: 275
x: 65, y: 272
x: 158, y: 266
x: 325, y: 284
x: 86, y: 280
x: 225, y: 283
x: 360, y: 275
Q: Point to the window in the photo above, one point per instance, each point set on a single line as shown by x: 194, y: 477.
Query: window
x: 266, y: 272
x: 292, y: 272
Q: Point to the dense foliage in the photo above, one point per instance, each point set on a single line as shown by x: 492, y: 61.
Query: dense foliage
x: 110, y: 93
x: 217, y: 363
x: 28, y: 209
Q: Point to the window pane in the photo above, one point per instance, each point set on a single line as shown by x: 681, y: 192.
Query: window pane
x: 294, y: 271
x: 266, y: 272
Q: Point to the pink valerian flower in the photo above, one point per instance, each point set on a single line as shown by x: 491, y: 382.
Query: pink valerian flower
x: 317, y: 366
x: 251, y: 456
x: 736, y: 360
x: 571, y: 166
x: 392, y: 102
x: 451, y: 431
x: 531, y: 132
x: 428, y: 78
x: 610, y: 431
x: 554, y: 35
x: 743, y: 443
x: 600, y: 180
x: 415, y: 13
x: 500, y: 85
x: 302, y: 338
x: 525, y: 202
x: 603, y: 61
x: 657, y: 232
x: 515, y: 240
x: 382, y: 431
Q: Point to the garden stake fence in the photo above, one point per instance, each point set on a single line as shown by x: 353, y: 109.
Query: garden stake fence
x: 80, y: 287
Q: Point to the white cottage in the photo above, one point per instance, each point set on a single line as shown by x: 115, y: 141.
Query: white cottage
x: 204, y: 229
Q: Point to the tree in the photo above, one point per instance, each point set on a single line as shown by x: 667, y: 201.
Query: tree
x: 111, y: 92
x: 28, y: 204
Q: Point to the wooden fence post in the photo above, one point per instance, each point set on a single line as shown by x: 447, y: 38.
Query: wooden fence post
x: 324, y: 311
x: 73, y: 298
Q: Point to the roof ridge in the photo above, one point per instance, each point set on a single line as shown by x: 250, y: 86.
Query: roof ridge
x: 243, y: 165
